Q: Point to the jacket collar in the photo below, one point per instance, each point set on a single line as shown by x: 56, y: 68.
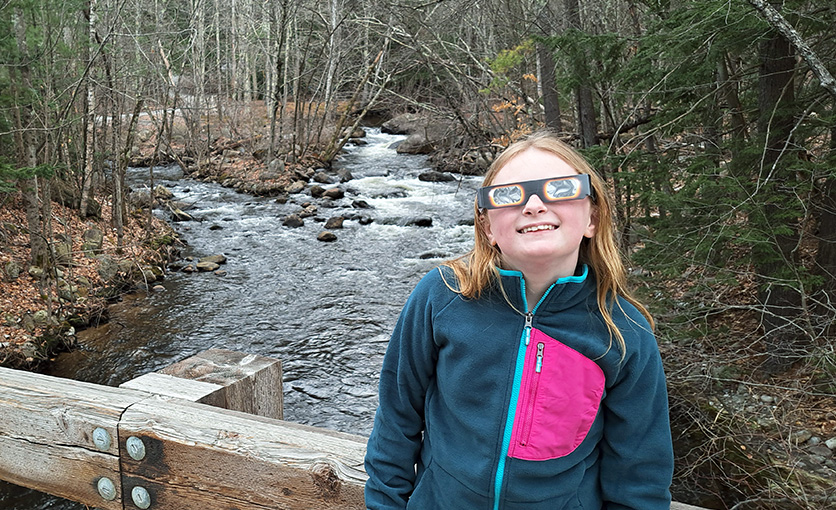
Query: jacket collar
x: 563, y: 293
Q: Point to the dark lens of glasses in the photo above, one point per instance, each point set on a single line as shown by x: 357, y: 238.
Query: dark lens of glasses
x: 563, y: 188
x: 507, y: 195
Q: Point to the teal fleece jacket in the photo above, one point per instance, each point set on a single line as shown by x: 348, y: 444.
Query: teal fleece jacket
x: 488, y: 406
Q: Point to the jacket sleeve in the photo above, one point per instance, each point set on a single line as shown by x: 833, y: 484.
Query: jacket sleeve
x: 637, y: 451
x: 408, y: 367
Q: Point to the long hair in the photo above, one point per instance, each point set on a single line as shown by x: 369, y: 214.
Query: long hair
x: 478, y: 269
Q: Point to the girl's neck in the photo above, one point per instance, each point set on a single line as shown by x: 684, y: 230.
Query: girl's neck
x: 537, y: 283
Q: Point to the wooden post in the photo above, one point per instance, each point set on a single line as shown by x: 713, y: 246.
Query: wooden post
x: 221, y: 378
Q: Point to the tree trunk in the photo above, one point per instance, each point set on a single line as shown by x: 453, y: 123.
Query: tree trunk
x: 779, y: 297
x: 587, y: 121
x: 551, y: 102
x: 26, y: 145
x: 826, y: 255
x: 90, y: 138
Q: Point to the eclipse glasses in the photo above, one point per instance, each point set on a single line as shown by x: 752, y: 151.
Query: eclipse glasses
x: 558, y: 189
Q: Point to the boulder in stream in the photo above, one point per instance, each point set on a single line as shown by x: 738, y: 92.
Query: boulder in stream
x: 293, y: 221
x: 326, y: 237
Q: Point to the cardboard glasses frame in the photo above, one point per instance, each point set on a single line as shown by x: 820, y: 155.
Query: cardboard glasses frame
x: 492, y: 197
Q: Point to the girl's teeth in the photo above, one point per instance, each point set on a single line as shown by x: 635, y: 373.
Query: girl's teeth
x: 538, y: 227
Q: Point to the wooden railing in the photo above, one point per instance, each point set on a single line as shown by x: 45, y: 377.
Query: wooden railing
x: 154, y: 443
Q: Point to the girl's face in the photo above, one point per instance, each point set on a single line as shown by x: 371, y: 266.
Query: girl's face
x: 537, y: 237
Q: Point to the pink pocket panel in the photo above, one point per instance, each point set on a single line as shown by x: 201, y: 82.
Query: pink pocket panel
x: 559, y: 398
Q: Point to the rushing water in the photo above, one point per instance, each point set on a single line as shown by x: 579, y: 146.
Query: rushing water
x: 324, y: 309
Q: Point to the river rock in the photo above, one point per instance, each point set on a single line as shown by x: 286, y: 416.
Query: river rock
x: 425, y: 132
x: 293, y: 221
x: 360, y: 204
x: 420, y: 222
x: 326, y: 237
x: 404, y: 124
x: 206, y: 266
x: 317, y: 191
x: 334, y: 222
x: 334, y: 193
x: 217, y: 259
x: 831, y: 443
x: 308, y: 210
x: 323, y: 178
x: 433, y: 176
x: 296, y: 187
x: 344, y: 175
x: 357, y: 132
x: 416, y: 143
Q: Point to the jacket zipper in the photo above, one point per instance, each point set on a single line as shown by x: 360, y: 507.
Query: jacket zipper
x: 529, y: 319
x: 521, y: 351
x: 512, y: 410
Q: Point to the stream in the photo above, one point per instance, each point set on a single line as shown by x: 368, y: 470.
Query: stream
x: 325, y: 309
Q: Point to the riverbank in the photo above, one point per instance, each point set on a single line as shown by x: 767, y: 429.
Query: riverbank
x: 42, y: 311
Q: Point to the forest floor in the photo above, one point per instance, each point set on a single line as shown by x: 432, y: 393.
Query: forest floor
x: 38, y: 320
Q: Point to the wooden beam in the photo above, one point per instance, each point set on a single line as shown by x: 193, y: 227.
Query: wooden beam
x: 221, y: 378
x: 201, y: 457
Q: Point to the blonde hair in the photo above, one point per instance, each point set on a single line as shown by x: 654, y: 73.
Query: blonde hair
x: 477, y: 270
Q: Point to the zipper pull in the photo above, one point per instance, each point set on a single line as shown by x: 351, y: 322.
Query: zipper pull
x: 540, y: 348
x: 529, y: 318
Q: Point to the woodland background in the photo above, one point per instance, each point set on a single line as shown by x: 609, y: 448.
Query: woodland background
x: 713, y: 121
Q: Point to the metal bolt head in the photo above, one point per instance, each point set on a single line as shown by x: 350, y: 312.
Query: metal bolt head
x: 140, y: 497
x: 101, y: 438
x: 135, y: 447
x: 106, y: 489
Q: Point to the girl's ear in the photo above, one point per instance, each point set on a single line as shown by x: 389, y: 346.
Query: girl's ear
x: 593, y: 222
x: 485, y: 225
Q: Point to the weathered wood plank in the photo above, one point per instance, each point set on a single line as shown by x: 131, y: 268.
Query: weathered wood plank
x: 51, y: 410
x: 71, y: 473
x: 171, y: 386
x: 239, y: 381
x: 47, y: 431
x: 202, y: 457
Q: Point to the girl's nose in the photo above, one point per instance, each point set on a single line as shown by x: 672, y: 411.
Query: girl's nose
x: 534, y: 205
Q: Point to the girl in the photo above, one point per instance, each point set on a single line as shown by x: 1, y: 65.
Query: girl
x: 524, y: 375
